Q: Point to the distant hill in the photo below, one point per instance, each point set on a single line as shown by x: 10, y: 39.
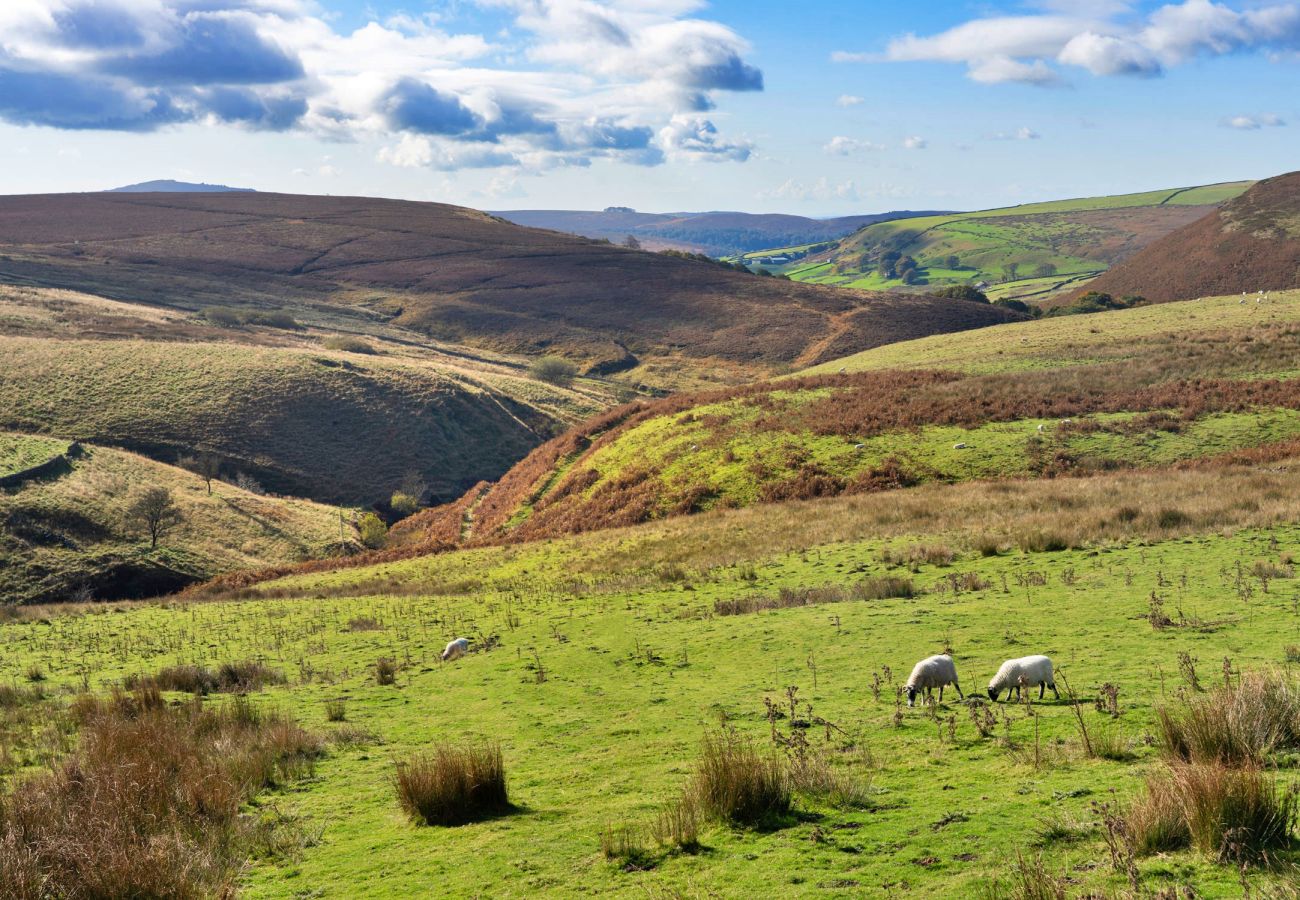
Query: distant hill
x: 167, y: 186
x: 1036, y: 250
x: 1250, y: 244
x: 713, y: 233
x: 457, y: 275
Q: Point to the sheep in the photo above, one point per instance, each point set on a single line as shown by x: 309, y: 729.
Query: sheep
x: 1042, y: 427
x: 858, y: 446
x: 843, y: 369
x: 1026, y: 671
x: 932, y: 672
x: 959, y: 446
x: 456, y: 649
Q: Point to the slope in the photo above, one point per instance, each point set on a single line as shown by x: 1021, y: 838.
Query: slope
x: 274, y: 403
x: 1032, y: 250
x: 63, y: 534
x: 455, y: 274
x: 1252, y: 243
x: 1147, y: 387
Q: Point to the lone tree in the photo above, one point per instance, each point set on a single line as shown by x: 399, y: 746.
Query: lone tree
x: 631, y: 243
x: 554, y: 370
x: 154, y: 512
x: 373, y: 531
x: 205, y: 465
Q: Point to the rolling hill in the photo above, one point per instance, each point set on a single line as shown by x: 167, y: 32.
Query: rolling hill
x: 274, y: 403
x: 1034, y: 250
x: 1251, y: 243
x: 1153, y: 386
x: 63, y: 534
x: 453, y: 274
x: 714, y: 233
x: 169, y: 186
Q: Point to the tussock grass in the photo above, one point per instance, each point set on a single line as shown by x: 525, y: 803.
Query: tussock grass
x: 1240, y: 725
x: 149, y: 803
x: 738, y: 783
x: 879, y: 588
x: 240, y: 676
x: 452, y: 785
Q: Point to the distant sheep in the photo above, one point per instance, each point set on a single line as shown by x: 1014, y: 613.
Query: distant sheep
x: 456, y: 649
x: 1067, y: 421
x: 959, y: 446
x: 1024, y: 672
x: 1042, y: 427
x: 932, y: 672
x: 858, y: 446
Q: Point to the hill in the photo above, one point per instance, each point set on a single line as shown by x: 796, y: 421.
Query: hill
x: 713, y: 233
x: 168, y: 186
x: 1251, y: 243
x: 63, y: 534
x: 1035, y: 250
x: 1153, y: 386
x: 454, y: 274
x: 273, y: 400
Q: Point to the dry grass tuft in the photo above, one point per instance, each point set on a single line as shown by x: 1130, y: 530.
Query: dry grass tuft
x: 453, y: 785
x: 736, y: 782
x: 1239, y: 725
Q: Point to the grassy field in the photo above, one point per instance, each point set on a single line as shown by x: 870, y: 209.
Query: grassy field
x: 614, y: 659
x: 1076, y: 238
x: 65, y: 535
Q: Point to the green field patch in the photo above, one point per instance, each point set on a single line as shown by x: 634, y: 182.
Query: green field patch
x: 19, y: 452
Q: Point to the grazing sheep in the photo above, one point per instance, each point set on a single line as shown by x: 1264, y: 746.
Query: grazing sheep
x: 843, y: 369
x: 456, y: 649
x: 1026, y: 671
x: 932, y: 672
x: 959, y: 446
x: 1042, y: 427
x: 1067, y: 421
x: 858, y: 446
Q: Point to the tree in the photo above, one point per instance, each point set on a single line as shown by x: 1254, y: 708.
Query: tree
x: 1019, y: 306
x: 373, y: 531
x: 1011, y: 271
x: 553, y: 370
x: 155, y: 512
x: 1046, y: 270
x: 403, y: 504
x: 205, y: 465
x: 961, y: 292
x: 953, y: 262
x: 631, y: 243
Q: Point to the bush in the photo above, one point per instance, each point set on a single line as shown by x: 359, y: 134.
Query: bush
x: 223, y: 316
x: 403, y: 504
x: 385, y: 671
x: 348, y: 344
x: 735, y: 782
x: 336, y: 710
x: 372, y: 530
x: 272, y: 318
x: 554, y: 370
x: 453, y: 785
x: 961, y: 292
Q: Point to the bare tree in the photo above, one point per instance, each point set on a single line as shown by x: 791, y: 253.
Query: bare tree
x: 155, y: 512
x: 631, y: 243
x: 205, y: 465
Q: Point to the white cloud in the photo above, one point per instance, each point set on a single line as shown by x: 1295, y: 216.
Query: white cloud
x: 844, y: 101
x: 915, y: 143
x: 1254, y: 123
x: 1024, y: 133
x: 1102, y: 38
x: 847, y: 146
x: 695, y: 139
x: 821, y: 189
x: 569, y: 81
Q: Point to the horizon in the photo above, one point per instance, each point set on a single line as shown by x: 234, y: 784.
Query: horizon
x: 671, y: 105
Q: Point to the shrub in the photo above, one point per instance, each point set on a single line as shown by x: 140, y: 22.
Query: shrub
x: 403, y: 504
x: 1233, y: 814
x: 553, y: 370
x: 453, y: 785
x: 385, y: 671
x: 372, y: 531
x: 1239, y: 725
x: 223, y: 316
x: 336, y: 710
x: 272, y: 318
x: 735, y: 782
x: 961, y: 292
x: 348, y: 344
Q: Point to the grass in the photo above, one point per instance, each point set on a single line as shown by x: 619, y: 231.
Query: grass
x: 639, y: 670
x: 453, y: 785
x: 20, y: 452
x: 65, y: 538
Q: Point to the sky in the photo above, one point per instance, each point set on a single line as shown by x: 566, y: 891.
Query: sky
x: 820, y: 108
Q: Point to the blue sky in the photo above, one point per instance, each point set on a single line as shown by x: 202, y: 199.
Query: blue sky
x: 821, y: 108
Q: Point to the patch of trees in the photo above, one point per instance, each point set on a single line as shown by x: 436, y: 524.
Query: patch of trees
x: 704, y: 257
x: 1095, y: 302
x: 894, y: 264
x: 554, y: 370
x: 961, y: 292
x: 230, y: 317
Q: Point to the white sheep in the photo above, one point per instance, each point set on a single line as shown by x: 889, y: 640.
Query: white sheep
x: 858, y: 446
x: 959, y: 446
x: 456, y: 649
x: 1024, y: 672
x: 1042, y: 427
x: 932, y: 672
x: 843, y: 369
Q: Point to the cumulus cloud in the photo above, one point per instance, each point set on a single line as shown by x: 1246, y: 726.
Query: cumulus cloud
x: 844, y: 101
x: 821, y: 189
x: 915, y: 143
x: 841, y: 145
x: 1255, y: 123
x: 1101, y: 38
x: 582, y: 79
x: 1023, y: 133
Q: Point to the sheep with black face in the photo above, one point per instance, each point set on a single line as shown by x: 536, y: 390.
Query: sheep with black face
x: 930, y: 673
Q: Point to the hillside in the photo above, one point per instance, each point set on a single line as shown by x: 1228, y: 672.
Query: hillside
x: 713, y: 233
x: 453, y: 274
x: 63, y: 534
x: 1031, y: 251
x: 1148, y: 387
x: 274, y: 403
x: 169, y: 186
x: 1250, y: 244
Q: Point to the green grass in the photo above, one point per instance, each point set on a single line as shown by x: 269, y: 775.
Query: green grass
x: 60, y: 534
x: 637, y: 671
x: 19, y: 452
